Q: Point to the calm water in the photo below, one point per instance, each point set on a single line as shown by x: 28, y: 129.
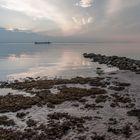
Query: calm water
x: 57, y: 60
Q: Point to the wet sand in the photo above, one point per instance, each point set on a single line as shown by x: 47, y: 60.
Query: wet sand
x: 106, y: 107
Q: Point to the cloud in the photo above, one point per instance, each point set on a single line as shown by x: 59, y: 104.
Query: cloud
x: 113, y: 6
x: 85, y: 3
x: 82, y: 21
x: 48, y: 10
x: 63, y: 18
x: 40, y: 10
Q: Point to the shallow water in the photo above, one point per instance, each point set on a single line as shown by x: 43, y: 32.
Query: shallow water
x: 9, y: 91
x: 20, y: 60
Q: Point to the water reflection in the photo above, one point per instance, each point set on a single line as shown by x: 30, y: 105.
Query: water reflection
x: 25, y: 60
x: 68, y: 63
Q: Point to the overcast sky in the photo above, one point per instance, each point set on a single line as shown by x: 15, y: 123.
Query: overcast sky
x: 71, y: 20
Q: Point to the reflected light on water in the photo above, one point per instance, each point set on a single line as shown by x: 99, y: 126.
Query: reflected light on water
x: 21, y: 60
x: 68, y: 61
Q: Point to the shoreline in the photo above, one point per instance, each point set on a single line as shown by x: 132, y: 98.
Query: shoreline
x: 101, y: 108
x: 123, y: 63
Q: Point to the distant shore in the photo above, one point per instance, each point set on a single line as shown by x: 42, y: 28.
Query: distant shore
x: 106, y: 107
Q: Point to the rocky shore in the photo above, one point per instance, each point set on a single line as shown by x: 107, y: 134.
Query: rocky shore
x: 99, y: 108
x: 122, y: 63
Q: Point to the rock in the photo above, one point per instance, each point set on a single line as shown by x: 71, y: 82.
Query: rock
x: 134, y: 112
x: 122, y: 63
x: 31, y: 123
x: 112, y: 121
x: 101, y: 98
x: 21, y: 115
x: 113, y: 105
x: 50, y: 105
x: 116, y: 88
x: 13, y: 103
x: 121, y: 84
x: 75, y: 105
x: 82, y: 100
x: 97, y: 137
x: 92, y: 106
x: 138, y: 72
x: 126, y: 130
x: 4, y: 120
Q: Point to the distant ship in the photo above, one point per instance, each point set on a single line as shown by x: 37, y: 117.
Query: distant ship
x: 43, y: 42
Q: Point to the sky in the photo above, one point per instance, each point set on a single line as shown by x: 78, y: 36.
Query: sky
x: 70, y: 20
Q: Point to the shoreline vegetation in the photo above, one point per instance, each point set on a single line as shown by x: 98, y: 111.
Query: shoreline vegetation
x: 106, y: 107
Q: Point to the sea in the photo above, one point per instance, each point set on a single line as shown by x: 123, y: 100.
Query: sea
x: 58, y: 60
